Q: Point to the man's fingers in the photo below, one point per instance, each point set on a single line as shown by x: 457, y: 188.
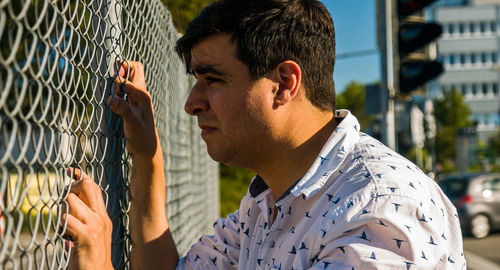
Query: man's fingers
x: 77, y: 174
x: 130, y: 78
x: 78, y: 209
x: 118, y: 87
x: 67, y: 245
x: 121, y: 107
x: 129, y: 86
x: 74, y: 227
x: 88, y: 191
x: 134, y: 71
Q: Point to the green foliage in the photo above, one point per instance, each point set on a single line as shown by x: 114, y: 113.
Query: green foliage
x: 451, y: 114
x: 494, y: 147
x: 413, y: 156
x: 353, y: 99
x: 184, y: 11
x: 233, y: 185
x: 496, y: 168
x: 494, y: 144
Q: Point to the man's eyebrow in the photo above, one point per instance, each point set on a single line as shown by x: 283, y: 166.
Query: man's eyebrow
x: 204, y: 69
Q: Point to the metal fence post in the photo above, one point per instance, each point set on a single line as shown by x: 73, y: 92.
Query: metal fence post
x: 110, y: 161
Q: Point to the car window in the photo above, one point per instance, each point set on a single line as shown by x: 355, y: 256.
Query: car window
x: 492, y: 184
x: 454, y: 187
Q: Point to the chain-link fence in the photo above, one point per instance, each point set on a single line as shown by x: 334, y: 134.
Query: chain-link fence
x: 56, y: 74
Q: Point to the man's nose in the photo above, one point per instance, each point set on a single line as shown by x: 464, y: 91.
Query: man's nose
x: 196, y: 101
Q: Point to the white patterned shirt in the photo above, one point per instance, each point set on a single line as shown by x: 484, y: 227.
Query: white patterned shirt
x: 360, y: 206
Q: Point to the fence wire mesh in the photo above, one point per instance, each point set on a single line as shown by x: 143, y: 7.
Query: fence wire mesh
x: 56, y: 74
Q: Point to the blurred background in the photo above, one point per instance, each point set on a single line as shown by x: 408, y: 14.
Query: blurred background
x: 423, y: 77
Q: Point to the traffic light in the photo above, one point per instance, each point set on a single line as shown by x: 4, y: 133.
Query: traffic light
x: 408, y: 7
x: 413, y: 35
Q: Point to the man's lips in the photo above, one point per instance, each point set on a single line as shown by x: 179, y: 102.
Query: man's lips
x: 207, y: 129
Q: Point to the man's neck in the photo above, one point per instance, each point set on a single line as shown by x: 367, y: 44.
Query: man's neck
x: 291, y: 160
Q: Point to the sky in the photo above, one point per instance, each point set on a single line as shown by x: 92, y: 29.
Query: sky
x: 355, y: 30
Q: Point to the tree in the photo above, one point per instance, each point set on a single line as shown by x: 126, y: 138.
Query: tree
x: 184, y: 11
x: 451, y: 114
x: 494, y: 143
x: 494, y: 147
x: 353, y: 99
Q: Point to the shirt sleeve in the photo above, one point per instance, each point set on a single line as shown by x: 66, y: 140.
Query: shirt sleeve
x: 218, y: 251
x: 394, y: 233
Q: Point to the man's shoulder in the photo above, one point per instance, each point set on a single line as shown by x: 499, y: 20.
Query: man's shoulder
x: 389, y: 172
x: 373, y: 174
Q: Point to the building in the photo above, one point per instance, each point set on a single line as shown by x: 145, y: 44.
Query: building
x: 469, y: 49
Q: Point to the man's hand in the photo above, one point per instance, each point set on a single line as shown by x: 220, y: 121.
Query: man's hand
x: 137, y: 113
x: 88, y: 224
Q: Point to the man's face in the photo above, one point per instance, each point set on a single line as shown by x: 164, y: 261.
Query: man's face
x: 233, y: 110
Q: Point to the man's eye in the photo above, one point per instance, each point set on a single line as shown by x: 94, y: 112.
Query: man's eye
x: 211, y: 80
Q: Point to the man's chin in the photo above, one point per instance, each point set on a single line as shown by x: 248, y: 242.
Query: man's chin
x: 218, y: 155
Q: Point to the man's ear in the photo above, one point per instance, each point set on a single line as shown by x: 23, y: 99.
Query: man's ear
x: 289, y: 81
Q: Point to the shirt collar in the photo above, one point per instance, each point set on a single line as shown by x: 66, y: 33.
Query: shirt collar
x: 257, y: 186
x: 331, y: 156
x: 329, y: 159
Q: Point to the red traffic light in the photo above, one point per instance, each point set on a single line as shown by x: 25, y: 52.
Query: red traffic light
x: 408, y: 7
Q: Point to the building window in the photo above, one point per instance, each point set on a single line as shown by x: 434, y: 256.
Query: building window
x: 463, y: 89
x: 494, y: 57
x: 461, y: 28
x: 475, y: 118
x: 474, y: 90
x: 495, y: 89
x: 452, y: 59
x: 471, y: 27
x: 485, y: 89
x: 482, y: 27
x: 493, y: 27
x: 473, y: 58
x: 486, y: 119
x: 462, y: 58
x: 484, y: 58
x: 451, y: 28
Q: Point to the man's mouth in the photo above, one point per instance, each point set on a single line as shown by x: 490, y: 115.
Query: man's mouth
x: 205, y: 130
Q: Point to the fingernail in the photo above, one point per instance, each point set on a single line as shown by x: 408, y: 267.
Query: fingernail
x: 121, y: 72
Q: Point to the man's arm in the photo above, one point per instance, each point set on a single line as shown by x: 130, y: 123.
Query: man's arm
x: 152, y: 243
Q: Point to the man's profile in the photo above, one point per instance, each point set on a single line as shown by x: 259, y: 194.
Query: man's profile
x: 326, y: 196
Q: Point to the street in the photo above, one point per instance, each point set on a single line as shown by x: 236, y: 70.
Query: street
x: 483, y: 254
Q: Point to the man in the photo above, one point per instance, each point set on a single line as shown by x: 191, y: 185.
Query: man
x: 326, y: 196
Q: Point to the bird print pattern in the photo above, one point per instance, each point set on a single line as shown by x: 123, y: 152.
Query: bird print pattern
x: 360, y: 206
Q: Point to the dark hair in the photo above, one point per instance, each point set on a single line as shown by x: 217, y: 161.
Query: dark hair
x: 268, y: 32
